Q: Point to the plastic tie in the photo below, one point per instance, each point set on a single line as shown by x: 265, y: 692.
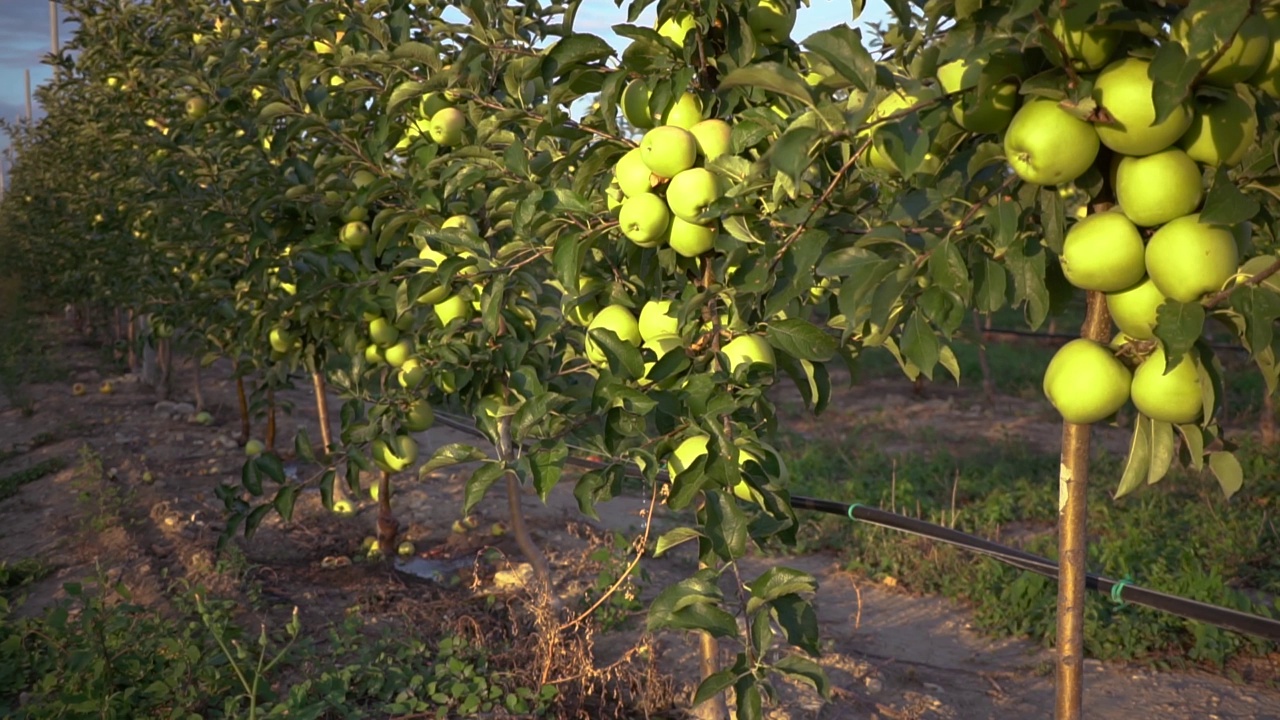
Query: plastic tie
x: 853, y: 507
x: 1119, y: 588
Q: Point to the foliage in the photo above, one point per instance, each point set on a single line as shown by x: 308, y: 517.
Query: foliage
x: 337, y: 187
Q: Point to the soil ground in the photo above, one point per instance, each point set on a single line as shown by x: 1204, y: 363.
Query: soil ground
x: 888, y: 654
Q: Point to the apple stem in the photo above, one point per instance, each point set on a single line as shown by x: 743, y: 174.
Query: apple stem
x: 1073, y: 478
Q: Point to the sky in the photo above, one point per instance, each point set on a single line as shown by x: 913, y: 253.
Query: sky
x: 24, y: 38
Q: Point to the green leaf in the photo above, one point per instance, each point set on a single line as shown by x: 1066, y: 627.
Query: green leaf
x: 792, y: 154
x: 479, y: 483
x: 1163, y: 448
x: 773, y: 77
x: 801, y: 339
x: 799, y: 622
x: 404, y: 92
x: 778, y: 581
x: 273, y: 111
x: 284, y: 501
x: 452, y: 454
x: 1225, y: 204
x: 675, y: 537
x: 624, y: 358
x: 691, y: 604
x: 713, y: 685
x: 1227, y: 469
x: 571, y: 51
x: 249, y: 477
x: 726, y: 526
x: 920, y: 344
x: 1193, y: 441
x: 1178, y: 326
x: 546, y: 464
x: 255, y: 519
x: 268, y: 464
x: 805, y: 670
x: 843, y: 48
x: 1138, y: 466
x: 302, y: 446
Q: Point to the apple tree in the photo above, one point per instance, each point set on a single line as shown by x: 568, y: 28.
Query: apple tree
x: 476, y: 209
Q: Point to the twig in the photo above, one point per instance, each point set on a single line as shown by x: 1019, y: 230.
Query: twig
x: 1216, y: 298
x: 822, y: 199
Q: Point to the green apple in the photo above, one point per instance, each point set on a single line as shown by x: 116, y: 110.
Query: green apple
x: 660, y: 345
x: 893, y: 103
x: 1124, y: 89
x: 633, y: 175
x: 1255, y: 265
x: 1085, y: 382
x: 344, y: 508
x: 383, y: 332
x: 418, y: 417
x: 614, y: 196
x: 397, y: 455
x: 1241, y: 59
x: 990, y: 111
x: 585, y: 309
x: 1156, y: 188
x: 746, y: 350
x: 453, y: 308
x: 667, y: 151
x: 1267, y: 77
x: 691, y: 239
x: 686, y: 113
x: 435, y: 257
x: 694, y: 447
x: 466, y: 222
x: 635, y: 105
x: 1088, y: 47
x: 644, y: 220
x: 1222, y: 130
x: 354, y: 235
x: 373, y: 355
x: 621, y: 321
x: 714, y: 137
x: 446, y: 127
x: 691, y: 192
x: 432, y: 103
x: 771, y: 21
x: 405, y: 549
x: 1173, y: 396
x: 254, y: 447
x: 398, y: 354
x: 1046, y: 145
x: 677, y: 27
x: 197, y: 107
x: 1187, y: 258
x: 282, y: 340
x: 411, y: 374
x: 657, y: 321
x: 1103, y: 252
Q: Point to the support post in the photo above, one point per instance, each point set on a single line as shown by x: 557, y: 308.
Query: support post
x: 1073, y: 480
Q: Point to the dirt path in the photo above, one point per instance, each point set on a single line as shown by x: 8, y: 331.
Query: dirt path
x: 888, y: 654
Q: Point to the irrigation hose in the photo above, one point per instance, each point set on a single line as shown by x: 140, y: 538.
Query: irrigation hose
x: 1121, y: 591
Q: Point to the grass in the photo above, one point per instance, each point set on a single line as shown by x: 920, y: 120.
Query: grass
x: 9, y: 484
x: 98, y: 655
x: 1179, y: 537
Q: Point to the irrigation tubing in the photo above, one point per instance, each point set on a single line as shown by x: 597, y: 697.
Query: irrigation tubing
x: 1121, y: 591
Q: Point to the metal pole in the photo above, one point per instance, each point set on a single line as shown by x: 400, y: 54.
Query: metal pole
x: 1073, y: 478
x: 27, y: 76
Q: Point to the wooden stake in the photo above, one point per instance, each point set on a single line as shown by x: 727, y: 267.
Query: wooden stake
x: 1073, y: 480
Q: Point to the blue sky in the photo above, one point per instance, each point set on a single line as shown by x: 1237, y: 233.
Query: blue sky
x: 24, y: 37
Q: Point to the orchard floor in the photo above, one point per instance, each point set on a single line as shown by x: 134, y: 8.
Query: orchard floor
x: 888, y: 654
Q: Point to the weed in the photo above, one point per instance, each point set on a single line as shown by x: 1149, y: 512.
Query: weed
x: 10, y: 483
x: 102, y: 499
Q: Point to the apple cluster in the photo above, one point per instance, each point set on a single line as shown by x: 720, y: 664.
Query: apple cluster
x: 1152, y: 246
